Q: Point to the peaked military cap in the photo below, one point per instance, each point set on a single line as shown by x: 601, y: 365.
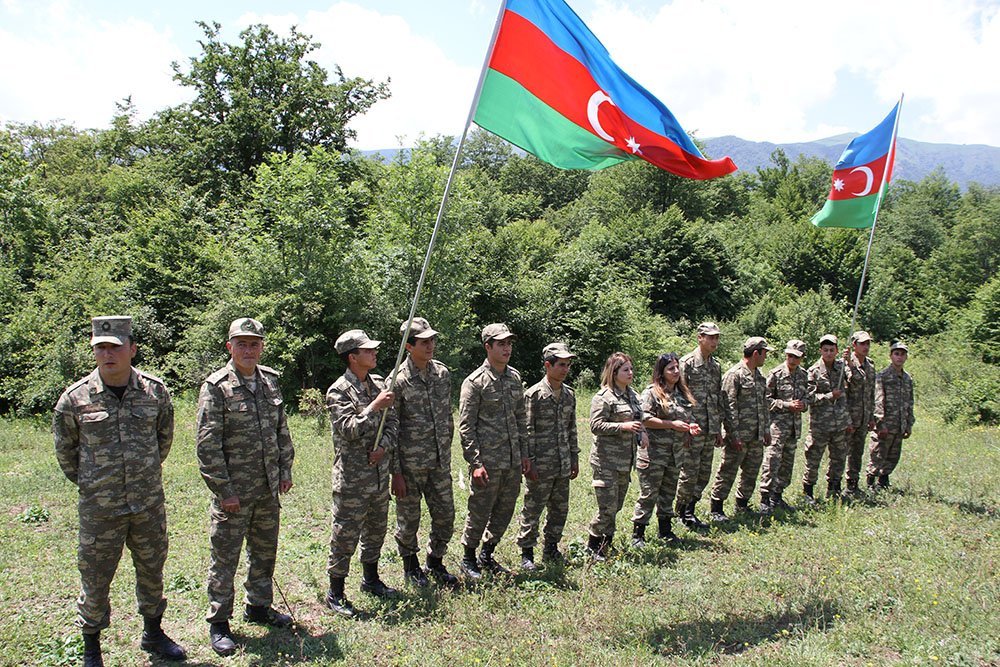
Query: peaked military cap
x: 246, y: 326
x: 557, y: 350
x: 355, y: 339
x: 708, y: 329
x: 860, y: 336
x: 110, y: 329
x: 828, y: 338
x: 498, y: 331
x: 898, y: 345
x: 420, y: 328
x: 757, y: 343
x: 796, y: 347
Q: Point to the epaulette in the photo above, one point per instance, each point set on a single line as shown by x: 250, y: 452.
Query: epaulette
x: 152, y: 378
x: 477, y: 373
x: 340, y: 384
x: 268, y: 369
x: 218, y: 376
x: 516, y: 373
x: 79, y: 383
x: 440, y: 366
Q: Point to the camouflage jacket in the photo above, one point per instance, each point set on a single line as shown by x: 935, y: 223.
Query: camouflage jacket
x: 552, y: 429
x: 492, y: 422
x: 860, y: 391
x: 704, y: 380
x: 426, y: 425
x: 663, y: 441
x: 354, y: 427
x: 783, y: 387
x: 243, y: 444
x: 613, y: 448
x: 826, y: 414
x: 747, y: 415
x: 113, y: 450
x: 894, y: 401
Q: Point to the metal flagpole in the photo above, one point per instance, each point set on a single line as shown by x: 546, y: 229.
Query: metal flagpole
x: 878, y: 205
x: 440, y: 214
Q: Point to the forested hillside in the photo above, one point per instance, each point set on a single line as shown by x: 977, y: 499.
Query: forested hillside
x: 246, y: 201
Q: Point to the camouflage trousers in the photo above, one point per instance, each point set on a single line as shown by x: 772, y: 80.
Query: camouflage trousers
x: 491, y: 507
x: 610, y: 487
x: 547, y: 493
x: 746, y: 460
x: 257, y: 524
x: 855, y: 453
x: 818, y: 442
x: 695, y: 469
x: 779, y: 459
x: 434, y: 486
x: 101, y: 542
x: 884, y: 453
x: 360, y: 514
x: 658, y: 485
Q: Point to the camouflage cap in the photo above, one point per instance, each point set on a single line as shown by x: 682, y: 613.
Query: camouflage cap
x: 355, y: 339
x: 828, y: 338
x: 420, y: 328
x: 708, y: 329
x: 755, y: 343
x: 860, y: 336
x: 246, y: 326
x: 110, y: 329
x: 796, y: 347
x: 898, y: 345
x: 497, y: 331
x: 557, y: 350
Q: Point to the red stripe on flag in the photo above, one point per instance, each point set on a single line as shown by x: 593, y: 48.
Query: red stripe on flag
x: 858, y: 181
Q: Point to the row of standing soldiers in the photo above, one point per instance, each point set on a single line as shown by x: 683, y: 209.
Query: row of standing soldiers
x: 114, y: 428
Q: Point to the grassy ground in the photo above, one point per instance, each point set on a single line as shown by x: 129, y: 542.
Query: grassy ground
x: 910, y: 577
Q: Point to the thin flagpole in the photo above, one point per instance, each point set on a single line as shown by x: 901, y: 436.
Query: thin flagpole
x: 440, y: 214
x: 878, y: 205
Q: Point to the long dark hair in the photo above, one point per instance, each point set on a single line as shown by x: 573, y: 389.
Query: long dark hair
x: 659, y: 383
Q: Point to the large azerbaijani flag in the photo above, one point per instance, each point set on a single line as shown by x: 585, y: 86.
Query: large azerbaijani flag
x: 859, y: 178
x: 552, y: 89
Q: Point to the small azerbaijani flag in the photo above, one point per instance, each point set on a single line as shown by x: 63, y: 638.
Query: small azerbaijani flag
x: 858, y: 178
x: 553, y: 90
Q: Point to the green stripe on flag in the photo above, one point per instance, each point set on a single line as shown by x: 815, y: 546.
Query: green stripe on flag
x: 508, y: 109
x: 856, y: 213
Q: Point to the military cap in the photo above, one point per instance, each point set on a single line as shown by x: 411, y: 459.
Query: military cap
x: 420, y: 328
x: 498, y: 331
x: 796, y: 347
x: 355, y: 339
x: 898, y: 345
x: 708, y: 329
x: 246, y: 326
x: 828, y: 338
x: 110, y: 329
x: 860, y: 336
x: 557, y: 350
x: 757, y: 343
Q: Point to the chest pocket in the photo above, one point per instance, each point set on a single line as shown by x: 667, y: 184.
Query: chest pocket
x: 95, y: 427
x: 622, y: 412
x: 492, y: 400
x: 145, y: 411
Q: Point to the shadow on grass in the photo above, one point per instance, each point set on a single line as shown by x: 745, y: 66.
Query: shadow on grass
x: 291, y: 646
x: 736, y: 633
x: 761, y: 523
x: 963, y: 506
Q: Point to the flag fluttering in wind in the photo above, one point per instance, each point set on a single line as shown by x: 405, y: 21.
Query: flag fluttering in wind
x: 862, y: 172
x: 553, y: 90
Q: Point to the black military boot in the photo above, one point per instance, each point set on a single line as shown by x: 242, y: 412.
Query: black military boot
x: 777, y: 502
x: 337, y: 600
x: 742, y: 505
x: 265, y: 615
x: 155, y: 640
x: 665, y: 530
x: 852, y: 488
x: 717, y: 515
x: 413, y: 573
x: 92, y: 650
x: 694, y: 523
x: 528, y: 559
x: 766, y: 505
x: 470, y: 565
x: 807, y: 493
x: 883, y: 481
x: 595, y: 545
x: 638, y: 535
x: 221, y: 638
x: 551, y: 554
x: 833, y: 490
x: 489, y: 563
x: 372, y: 584
x: 436, y: 568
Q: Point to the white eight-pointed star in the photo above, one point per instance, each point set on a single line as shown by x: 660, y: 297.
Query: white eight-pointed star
x: 633, y: 146
x: 838, y: 184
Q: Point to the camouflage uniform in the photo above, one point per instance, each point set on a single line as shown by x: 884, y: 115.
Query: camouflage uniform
x: 783, y: 387
x: 113, y: 451
x: 861, y: 406
x: 360, y: 491
x: 747, y: 418
x: 893, y: 413
x: 423, y: 456
x: 658, y: 463
x: 245, y: 451
x: 704, y: 379
x: 493, y: 427
x: 552, y: 437
x: 612, y: 454
x: 827, y: 421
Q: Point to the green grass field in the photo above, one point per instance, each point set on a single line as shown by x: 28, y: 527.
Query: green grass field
x: 910, y: 577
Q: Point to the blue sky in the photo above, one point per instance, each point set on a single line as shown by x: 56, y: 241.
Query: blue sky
x: 767, y: 70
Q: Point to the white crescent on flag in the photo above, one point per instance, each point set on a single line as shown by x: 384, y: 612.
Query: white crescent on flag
x: 869, y: 180
x: 592, y: 105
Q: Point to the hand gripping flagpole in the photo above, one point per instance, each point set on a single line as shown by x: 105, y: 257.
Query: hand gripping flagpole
x: 440, y: 215
x: 878, y: 204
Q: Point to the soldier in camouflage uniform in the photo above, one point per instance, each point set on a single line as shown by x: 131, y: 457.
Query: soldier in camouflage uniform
x: 360, y: 468
x: 616, y: 422
x: 703, y: 376
x: 113, y: 430
x: 893, y: 416
x: 245, y: 456
x: 860, y: 403
x: 829, y: 422
x: 747, y: 427
x: 787, y: 395
x: 422, y: 465
x: 666, y: 414
x: 550, y: 406
x: 493, y: 427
